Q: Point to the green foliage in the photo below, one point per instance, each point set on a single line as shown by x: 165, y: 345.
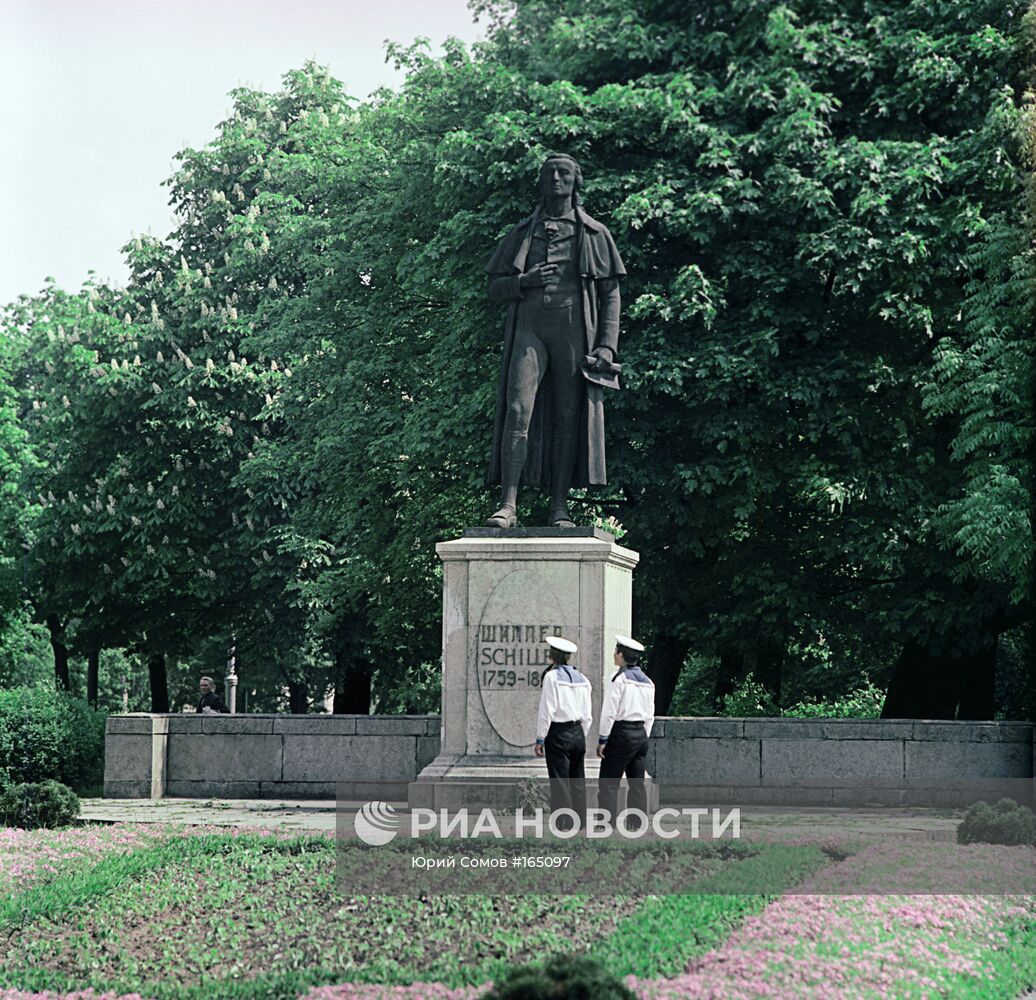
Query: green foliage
x: 863, y: 703
x: 750, y: 698
x: 31, y: 805
x: 1005, y: 823
x: 694, y: 687
x: 825, y: 433
x: 49, y: 735
x: 16, y: 462
x: 25, y: 652
x: 531, y: 795
x: 561, y: 977
x: 1016, y: 674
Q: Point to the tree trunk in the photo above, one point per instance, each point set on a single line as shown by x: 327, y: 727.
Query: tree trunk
x: 919, y: 688
x: 298, y: 697
x: 729, y: 674
x: 1029, y: 687
x: 943, y: 680
x: 769, y: 666
x: 158, y: 681
x: 978, y: 687
x: 352, y: 687
x: 61, y: 675
x: 93, y: 670
x: 665, y: 663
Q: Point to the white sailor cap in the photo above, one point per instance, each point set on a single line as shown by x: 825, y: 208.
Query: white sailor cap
x: 563, y: 645
x: 628, y: 643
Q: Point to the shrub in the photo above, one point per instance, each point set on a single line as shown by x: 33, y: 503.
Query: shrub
x: 1005, y: 823
x: 863, y: 703
x: 561, y: 977
x: 47, y: 734
x: 530, y: 795
x: 750, y: 698
x: 31, y: 805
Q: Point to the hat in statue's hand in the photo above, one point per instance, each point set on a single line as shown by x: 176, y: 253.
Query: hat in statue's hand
x: 600, y: 372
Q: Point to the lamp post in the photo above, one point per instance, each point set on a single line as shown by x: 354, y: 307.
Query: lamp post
x: 230, y: 682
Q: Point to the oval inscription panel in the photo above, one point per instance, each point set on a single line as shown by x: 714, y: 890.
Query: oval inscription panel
x: 511, y: 651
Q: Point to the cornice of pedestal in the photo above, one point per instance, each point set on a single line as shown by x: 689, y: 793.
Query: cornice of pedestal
x: 507, y: 545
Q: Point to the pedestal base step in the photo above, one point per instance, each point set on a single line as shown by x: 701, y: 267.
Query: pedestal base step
x: 497, y: 782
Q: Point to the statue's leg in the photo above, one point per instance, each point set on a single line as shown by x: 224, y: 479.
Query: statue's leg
x: 567, y: 389
x: 528, y: 364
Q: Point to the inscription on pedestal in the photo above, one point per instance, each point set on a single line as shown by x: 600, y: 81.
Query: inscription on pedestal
x: 515, y: 646
x: 511, y: 652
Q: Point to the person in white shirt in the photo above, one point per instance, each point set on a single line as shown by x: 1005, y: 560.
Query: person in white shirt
x: 562, y: 726
x: 627, y: 716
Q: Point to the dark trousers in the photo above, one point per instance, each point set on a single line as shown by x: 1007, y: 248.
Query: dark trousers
x: 564, y: 749
x: 624, y: 753
x: 549, y: 343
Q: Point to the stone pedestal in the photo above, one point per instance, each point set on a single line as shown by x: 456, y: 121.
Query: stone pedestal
x: 504, y: 592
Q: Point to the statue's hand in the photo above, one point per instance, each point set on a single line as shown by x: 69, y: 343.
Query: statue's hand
x: 604, y: 356
x: 538, y: 276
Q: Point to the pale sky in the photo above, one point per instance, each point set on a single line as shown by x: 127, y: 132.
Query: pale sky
x: 96, y: 96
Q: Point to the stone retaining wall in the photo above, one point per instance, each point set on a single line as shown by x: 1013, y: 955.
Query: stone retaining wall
x: 840, y: 762
x: 717, y: 760
x: 266, y: 756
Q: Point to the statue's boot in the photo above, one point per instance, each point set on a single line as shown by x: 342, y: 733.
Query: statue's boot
x: 564, y: 462
x: 514, y: 448
x: 559, y: 516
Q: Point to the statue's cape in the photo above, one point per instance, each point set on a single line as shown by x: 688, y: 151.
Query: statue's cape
x: 598, y: 259
x: 598, y: 255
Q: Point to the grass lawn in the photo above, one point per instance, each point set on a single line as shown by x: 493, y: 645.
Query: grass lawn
x: 190, y: 912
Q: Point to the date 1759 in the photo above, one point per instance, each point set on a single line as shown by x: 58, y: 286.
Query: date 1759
x: 510, y: 678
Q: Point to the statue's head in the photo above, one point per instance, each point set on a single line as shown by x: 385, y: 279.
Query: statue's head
x: 560, y: 174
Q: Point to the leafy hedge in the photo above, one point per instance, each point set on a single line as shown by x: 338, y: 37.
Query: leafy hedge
x: 46, y: 734
x: 1005, y: 823
x: 32, y: 805
x: 752, y: 698
x: 561, y: 977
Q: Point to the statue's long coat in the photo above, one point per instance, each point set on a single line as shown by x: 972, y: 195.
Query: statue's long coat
x: 600, y: 267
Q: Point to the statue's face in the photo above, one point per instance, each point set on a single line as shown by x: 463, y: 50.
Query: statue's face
x: 558, y: 178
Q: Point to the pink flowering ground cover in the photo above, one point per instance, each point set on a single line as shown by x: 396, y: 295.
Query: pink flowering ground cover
x: 823, y: 947
x: 77, y: 995
x: 847, y: 931
x: 847, y: 947
x: 28, y: 857
x: 416, y: 991
x: 844, y: 936
x: 915, y: 867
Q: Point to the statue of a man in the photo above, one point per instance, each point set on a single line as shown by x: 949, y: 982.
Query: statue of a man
x: 558, y: 271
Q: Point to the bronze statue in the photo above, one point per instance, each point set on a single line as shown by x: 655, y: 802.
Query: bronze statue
x: 558, y: 271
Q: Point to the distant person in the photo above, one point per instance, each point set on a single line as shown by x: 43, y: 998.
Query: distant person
x: 627, y: 716
x: 561, y: 728
x: 210, y: 703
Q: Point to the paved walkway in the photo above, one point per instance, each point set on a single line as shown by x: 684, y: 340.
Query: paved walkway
x: 758, y: 822
x: 297, y: 814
